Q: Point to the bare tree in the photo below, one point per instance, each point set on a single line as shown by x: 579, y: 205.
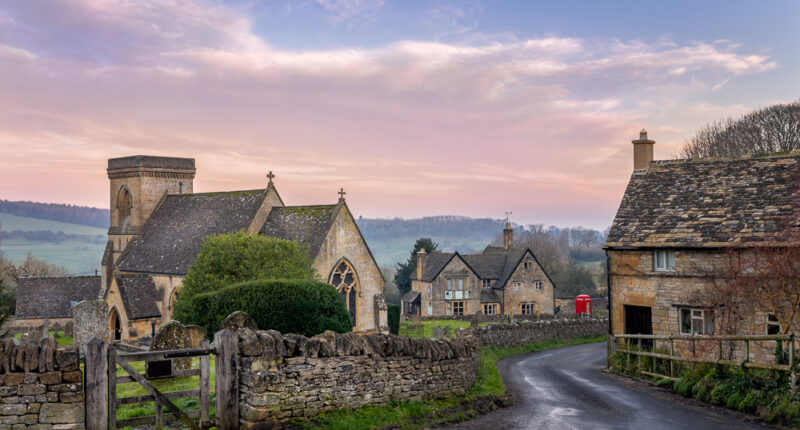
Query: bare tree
x: 764, y: 131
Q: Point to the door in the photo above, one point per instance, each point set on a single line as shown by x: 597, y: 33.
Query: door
x: 639, y: 320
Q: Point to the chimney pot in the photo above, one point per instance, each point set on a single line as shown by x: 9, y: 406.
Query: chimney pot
x: 642, y: 151
x: 421, y: 257
x: 508, y: 236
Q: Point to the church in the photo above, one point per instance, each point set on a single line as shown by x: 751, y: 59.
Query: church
x: 158, y: 225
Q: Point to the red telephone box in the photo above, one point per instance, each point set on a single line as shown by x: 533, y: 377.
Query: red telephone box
x: 583, y: 304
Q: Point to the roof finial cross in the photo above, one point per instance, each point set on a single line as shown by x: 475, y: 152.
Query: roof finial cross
x: 270, y: 175
x: 507, y: 214
x: 341, y: 193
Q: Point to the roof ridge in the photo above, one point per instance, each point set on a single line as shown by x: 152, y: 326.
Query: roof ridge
x: 59, y: 277
x: 775, y: 155
x: 207, y: 193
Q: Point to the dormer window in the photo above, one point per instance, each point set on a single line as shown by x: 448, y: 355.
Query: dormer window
x: 487, y: 283
x: 664, y: 260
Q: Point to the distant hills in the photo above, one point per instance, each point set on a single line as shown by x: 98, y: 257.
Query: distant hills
x: 81, y: 215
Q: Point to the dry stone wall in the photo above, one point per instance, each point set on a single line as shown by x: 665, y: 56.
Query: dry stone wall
x: 535, y: 331
x: 41, y: 386
x: 285, y: 376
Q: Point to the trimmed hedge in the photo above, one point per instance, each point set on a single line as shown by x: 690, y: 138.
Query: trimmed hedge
x: 300, y: 306
x: 393, y: 316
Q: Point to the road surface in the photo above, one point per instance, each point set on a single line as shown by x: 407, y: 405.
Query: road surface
x: 566, y: 389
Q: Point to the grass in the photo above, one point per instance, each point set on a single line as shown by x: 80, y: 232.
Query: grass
x: 61, y: 340
x: 428, y: 325
x: 420, y: 415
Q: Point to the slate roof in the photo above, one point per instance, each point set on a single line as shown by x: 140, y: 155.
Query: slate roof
x: 172, y: 237
x: 708, y: 203
x: 434, y: 263
x: 308, y: 225
x: 489, y: 295
x: 139, y: 295
x: 410, y: 296
x: 53, y: 297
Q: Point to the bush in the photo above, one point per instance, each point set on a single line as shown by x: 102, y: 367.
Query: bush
x: 393, y: 317
x: 298, y: 306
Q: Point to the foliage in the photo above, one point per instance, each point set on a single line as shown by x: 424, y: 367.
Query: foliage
x: 393, y: 316
x: 768, y: 130
x: 8, y: 302
x: 402, y: 277
x: 301, y: 306
x: 228, y: 259
x: 578, y: 280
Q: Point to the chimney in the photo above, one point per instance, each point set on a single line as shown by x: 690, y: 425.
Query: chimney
x: 421, y: 258
x: 642, y: 151
x: 508, y: 236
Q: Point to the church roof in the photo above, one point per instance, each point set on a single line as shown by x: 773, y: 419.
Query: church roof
x: 139, y: 295
x: 708, y: 203
x: 53, y: 297
x: 172, y: 237
x: 308, y: 225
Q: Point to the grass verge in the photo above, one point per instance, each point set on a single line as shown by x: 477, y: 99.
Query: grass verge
x: 485, y: 395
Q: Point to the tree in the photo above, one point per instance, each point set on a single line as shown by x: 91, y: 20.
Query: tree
x: 768, y: 130
x: 402, y: 278
x: 228, y: 259
x: 8, y: 301
x: 578, y: 280
x: 301, y: 306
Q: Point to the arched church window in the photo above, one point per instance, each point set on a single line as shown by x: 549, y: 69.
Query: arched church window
x: 345, y: 280
x: 124, y: 206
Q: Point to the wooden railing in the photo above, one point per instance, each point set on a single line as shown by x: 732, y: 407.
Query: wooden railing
x: 637, y: 345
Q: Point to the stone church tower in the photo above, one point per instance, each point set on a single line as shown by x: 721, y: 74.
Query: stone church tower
x: 137, y: 185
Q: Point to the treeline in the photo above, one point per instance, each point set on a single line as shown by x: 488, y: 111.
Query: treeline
x: 83, y: 215
x: 52, y: 236
x: 438, y: 226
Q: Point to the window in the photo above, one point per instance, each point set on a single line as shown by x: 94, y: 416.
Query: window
x: 664, y: 260
x: 528, y: 265
x: 455, y: 308
x: 430, y: 310
x: 773, y: 325
x: 528, y: 308
x: 538, y: 285
x: 490, y: 308
x: 487, y: 283
x: 455, y: 289
x: 517, y: 286
x: 429, y: 291
x: 344, y: 279
x: 696, y: 321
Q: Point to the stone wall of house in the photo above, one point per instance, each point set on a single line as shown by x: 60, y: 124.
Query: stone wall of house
x: 41, y: 386
x: 90, y: 320
x: 535, y: 331
x: 285, y: 376
x: 527, y: 293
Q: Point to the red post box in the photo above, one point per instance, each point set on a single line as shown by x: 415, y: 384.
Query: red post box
x: 583, y: 304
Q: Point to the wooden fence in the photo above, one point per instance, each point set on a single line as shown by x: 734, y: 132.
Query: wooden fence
x: 647, y: 345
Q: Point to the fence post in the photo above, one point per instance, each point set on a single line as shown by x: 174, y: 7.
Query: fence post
x: 96, y: 400
x: 791, y: 351
x: 227, y: 380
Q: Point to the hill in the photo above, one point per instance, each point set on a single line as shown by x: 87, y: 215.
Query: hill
x: 81, y: 215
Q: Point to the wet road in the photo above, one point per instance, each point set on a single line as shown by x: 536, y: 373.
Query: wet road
x: 565, y: 389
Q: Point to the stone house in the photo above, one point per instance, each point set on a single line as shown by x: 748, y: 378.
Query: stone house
x: 40, y: 299
x: 499, y: 281
x: 673, y: 230
x: 158, y: 226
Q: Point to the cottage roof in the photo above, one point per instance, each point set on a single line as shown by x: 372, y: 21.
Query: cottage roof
x: 308, y: 225
x: 708, y: 203
x: 489, y: 295
x: 410, y: 296
x: 139, y: 295
x: 434, y: 263
x: 172, y: 237
x: 53, y: 297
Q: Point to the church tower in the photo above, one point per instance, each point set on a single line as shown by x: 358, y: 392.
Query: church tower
x: 137, y: 185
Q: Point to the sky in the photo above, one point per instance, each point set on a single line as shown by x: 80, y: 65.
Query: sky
x: 414, y: 108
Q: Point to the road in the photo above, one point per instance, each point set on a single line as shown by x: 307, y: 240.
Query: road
x: 566, y: 389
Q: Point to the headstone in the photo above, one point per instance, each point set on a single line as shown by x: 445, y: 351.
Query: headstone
x: 90, y: 319
x: 238, y: 320
x: 45, y: 329
x: 172, y: 335
x: 416, y: 320
x: 69, y: 329
x: 438, y: 332
x: 473, y: 322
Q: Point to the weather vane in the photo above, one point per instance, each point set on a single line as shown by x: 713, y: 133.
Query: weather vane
x: 507, y: 214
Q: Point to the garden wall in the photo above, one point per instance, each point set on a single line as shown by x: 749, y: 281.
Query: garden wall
x: 285, y: 376
x: 535, y: 331
x: 41, y: 386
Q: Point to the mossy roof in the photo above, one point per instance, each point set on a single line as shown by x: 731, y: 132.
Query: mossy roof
x: 308, y: 225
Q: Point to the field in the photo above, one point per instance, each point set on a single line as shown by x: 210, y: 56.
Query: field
x: 389, y: 252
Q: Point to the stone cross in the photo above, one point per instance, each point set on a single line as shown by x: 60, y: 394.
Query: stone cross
x: 270, y: 175
x: 341, y: 194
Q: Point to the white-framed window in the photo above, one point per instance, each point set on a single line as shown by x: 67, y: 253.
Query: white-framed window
x: 517, y: 286
x: 538, y: 285
x: 455, y: 308
x: 429, y: 291
x: 696, y: 321
x: 487, y: 283
x: 490, y: 308
x: 528, y: 265
x: 527, y: 308
x: 664, y: 260
x: 455, y: 289
x: 430, y: 310
x: 773, y: 325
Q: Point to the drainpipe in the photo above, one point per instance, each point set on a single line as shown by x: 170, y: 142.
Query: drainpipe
x: 608, y: 281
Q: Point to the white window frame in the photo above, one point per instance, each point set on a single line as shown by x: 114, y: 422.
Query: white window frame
x: 664, y: 260
x: 487, y: 283
x: 430, y: 309
x: 527, y: 308
x: 700, y: 321
x: 490, y: 309
x: 517, y: 286
x: 539, y: 285
x: 429, y: 291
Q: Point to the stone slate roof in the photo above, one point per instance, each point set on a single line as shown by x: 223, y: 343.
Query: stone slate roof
x: 489, y: 295
x: 139, y: 295
x: 308, y: 225
x: 487, y: 266
x: 708, y: 203
x: 434, y: 264
x: 53, y: 297
x: 173, y: 235
x: 410, y: 296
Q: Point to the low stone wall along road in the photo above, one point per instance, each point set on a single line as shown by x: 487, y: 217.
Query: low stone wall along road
x: 566, y: 389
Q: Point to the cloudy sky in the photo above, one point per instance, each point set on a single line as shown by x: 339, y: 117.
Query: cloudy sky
x: 415, y: 108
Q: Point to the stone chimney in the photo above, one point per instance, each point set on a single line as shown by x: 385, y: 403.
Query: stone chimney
x: 642, y: 151
x: 508, y: 236
x: 422, y: 257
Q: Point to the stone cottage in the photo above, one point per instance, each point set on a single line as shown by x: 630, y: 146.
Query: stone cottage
x: 158, y: 226
x: 40, y: 299
x: 499, y: 281
x: 673, y: 230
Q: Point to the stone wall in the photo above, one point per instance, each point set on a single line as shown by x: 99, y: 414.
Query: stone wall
x: 535, y: 331
x: 91, y: 320
x: 41, y: 386
x: 285, y: 376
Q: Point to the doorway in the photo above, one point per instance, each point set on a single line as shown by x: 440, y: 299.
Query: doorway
x: 639, y: 320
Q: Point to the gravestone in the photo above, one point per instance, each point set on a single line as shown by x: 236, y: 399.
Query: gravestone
x: 172, y: 335
x: 90, y: 319
x: 438, y: 332
x: 45, y: 329
x: 238, y: 320
x: 69, y: 329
